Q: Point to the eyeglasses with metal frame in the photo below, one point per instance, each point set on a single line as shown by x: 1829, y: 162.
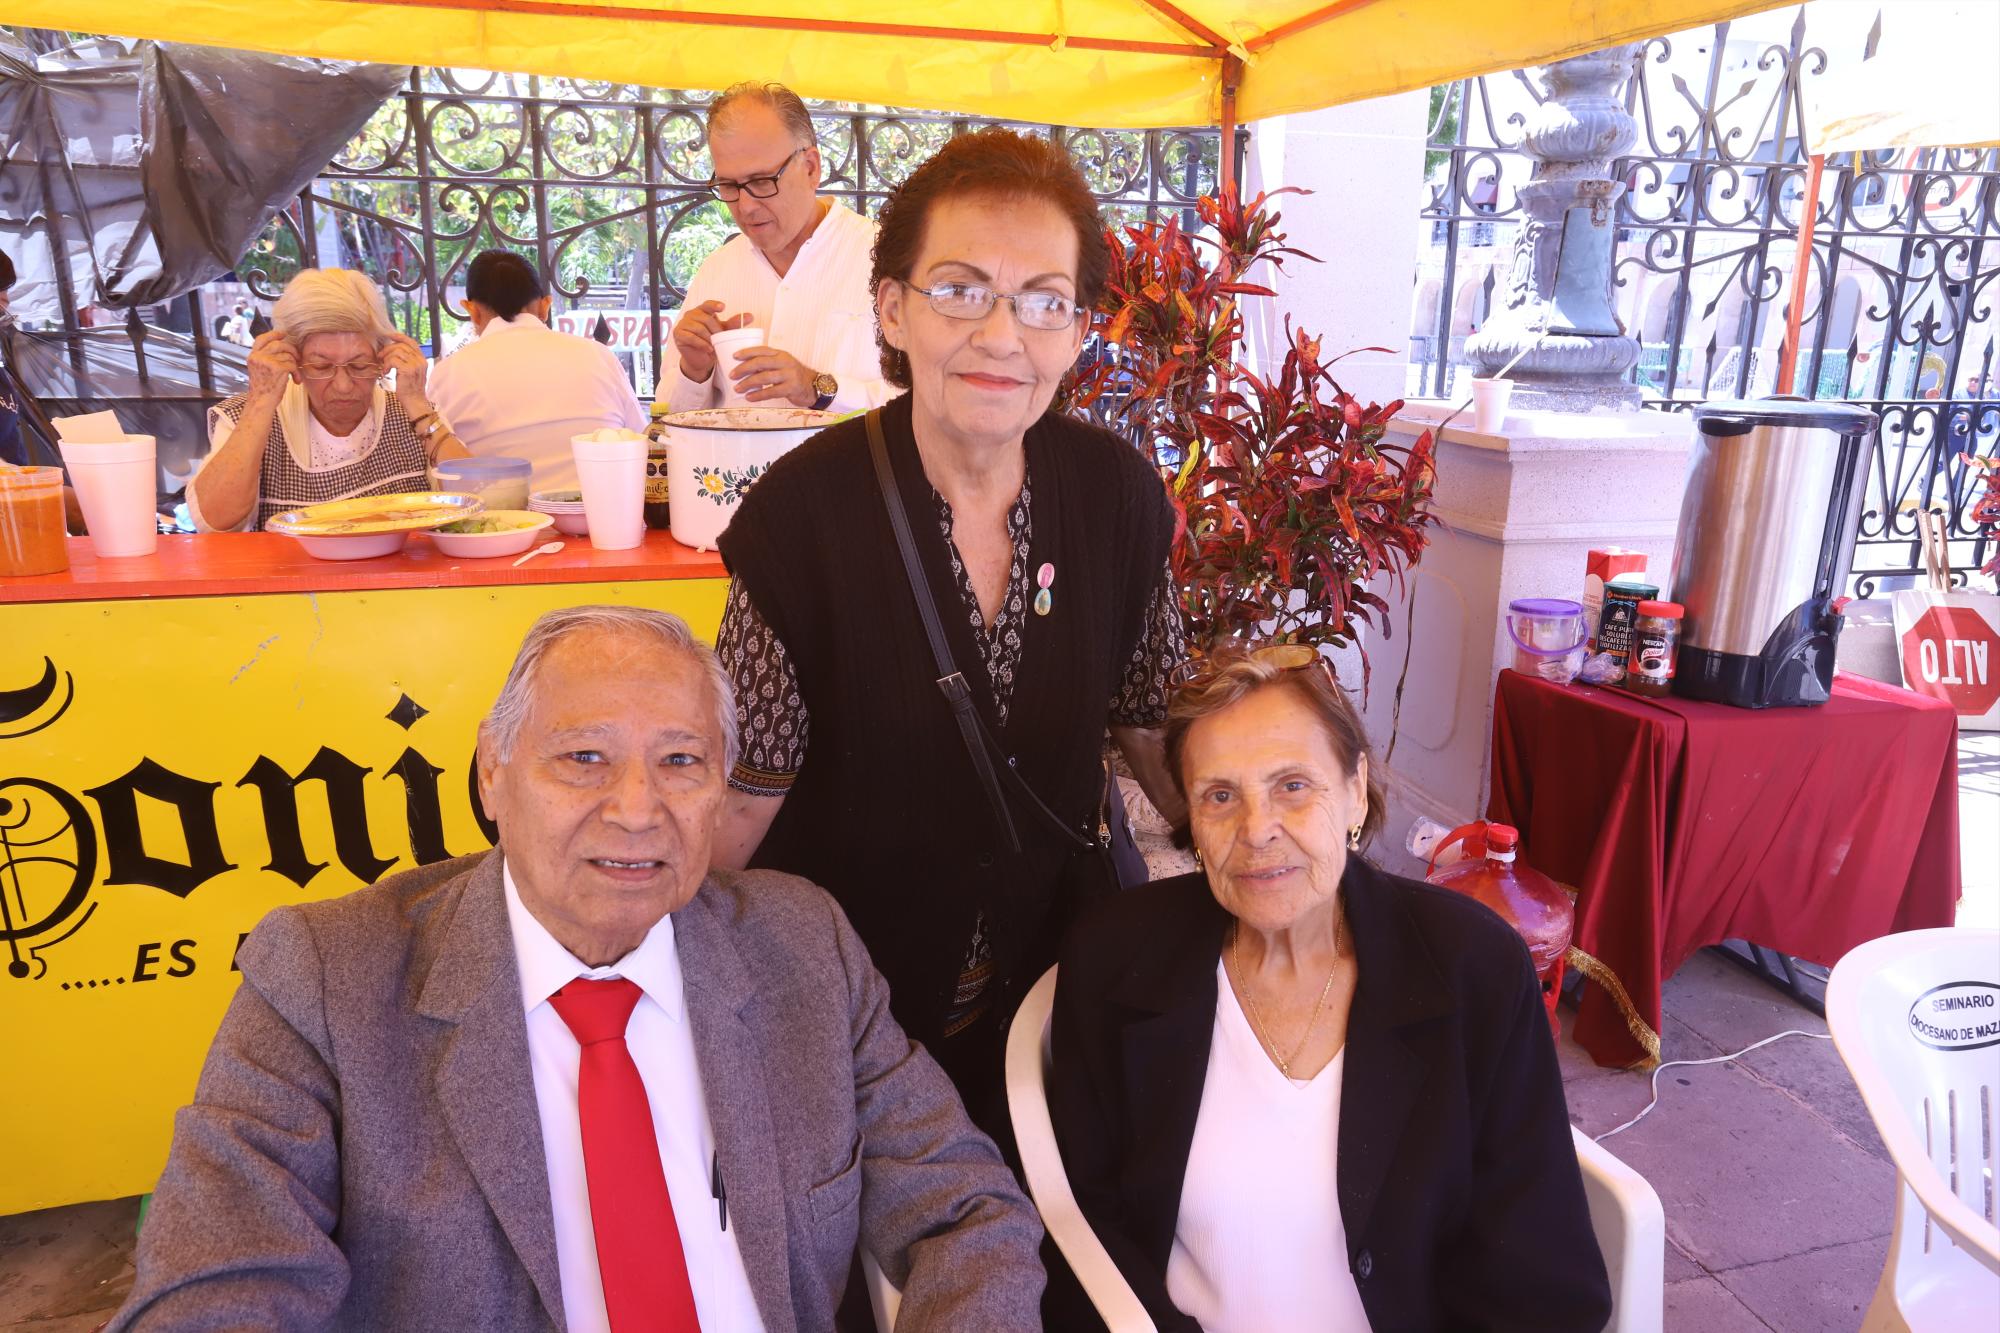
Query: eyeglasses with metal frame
x: 1044, y: 311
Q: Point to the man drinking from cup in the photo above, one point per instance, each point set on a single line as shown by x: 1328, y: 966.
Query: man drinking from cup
x: 798, y: 274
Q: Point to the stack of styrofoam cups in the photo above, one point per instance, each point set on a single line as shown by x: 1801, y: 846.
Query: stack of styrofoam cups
x: 727, y: 344
x: 612, y: 475
x: 117, y: 487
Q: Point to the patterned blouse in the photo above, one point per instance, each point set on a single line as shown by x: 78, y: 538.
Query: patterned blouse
x: 772, y: 717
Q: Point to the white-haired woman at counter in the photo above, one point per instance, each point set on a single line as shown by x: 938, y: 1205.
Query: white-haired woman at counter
x: 316, y: 423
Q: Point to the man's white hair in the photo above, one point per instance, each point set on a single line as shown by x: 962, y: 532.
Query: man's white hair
x: 502, y: 726
x: 332, y: 300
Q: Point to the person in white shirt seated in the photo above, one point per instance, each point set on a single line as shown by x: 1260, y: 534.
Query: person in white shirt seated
x: 581, y: 1081
x: 799, y: 271
x: 520, y: 389
x: 1295, y: 1092
x: 316, y: 424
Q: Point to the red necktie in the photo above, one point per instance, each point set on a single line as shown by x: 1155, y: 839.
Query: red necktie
x: 639, y: 1254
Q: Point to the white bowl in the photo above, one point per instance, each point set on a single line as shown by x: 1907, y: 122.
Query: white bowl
x: 481, y: 545
x: 359, y: 546
x: 574, y: 525
x: 716, y: 455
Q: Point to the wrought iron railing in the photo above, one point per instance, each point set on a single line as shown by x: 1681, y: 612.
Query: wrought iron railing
x: 1899, y: 315
x: 602, y: 184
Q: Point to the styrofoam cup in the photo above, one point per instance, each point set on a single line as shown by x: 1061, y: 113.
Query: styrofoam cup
x: 727, y: 344
x: 117, y: 487
x: 1489, y: 405
x: 612, y: 476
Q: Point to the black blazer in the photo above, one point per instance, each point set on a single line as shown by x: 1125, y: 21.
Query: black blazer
x: 1459, y: 1187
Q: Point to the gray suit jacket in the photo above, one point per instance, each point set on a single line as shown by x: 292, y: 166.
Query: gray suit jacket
x: 364, y: 1150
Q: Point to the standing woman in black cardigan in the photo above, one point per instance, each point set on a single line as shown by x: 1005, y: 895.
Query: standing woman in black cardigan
x: 1295, y: 1093
x: 1043, y: 542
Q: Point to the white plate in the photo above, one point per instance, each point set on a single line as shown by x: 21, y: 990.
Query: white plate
x: 360, y: 546
x: 481, y: 545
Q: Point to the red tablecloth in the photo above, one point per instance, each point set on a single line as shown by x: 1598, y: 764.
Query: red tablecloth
x: 1682, y: 824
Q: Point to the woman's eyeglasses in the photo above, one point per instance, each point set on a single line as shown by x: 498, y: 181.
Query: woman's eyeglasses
x: 1046, y: 311
x: 1196, y: 674
x: 757, y: 187
x: 358, y: 371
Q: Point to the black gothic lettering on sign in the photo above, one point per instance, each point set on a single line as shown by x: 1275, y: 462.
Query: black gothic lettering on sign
x: 19, y: 705
x: 426, y: 816
x: 346, y: 806
x: 486, y: 826
x: 193, y: 802
x: 48, y: 861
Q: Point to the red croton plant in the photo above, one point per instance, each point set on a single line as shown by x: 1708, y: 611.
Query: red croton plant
x: 1289, y: 501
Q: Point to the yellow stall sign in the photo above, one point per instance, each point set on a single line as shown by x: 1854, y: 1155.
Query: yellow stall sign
x: 169, y: 771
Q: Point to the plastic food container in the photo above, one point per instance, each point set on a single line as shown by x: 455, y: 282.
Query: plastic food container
x: 715, y: 456
x: 501, y: 482
x: 1544, y: 630
x: 32, y: 530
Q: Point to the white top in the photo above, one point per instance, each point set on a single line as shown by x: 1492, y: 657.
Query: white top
x: 662, y: 1045
x: 321, y: 451
x: 821, y: 311
x: 522, y: 390
x: 1259, y: 1246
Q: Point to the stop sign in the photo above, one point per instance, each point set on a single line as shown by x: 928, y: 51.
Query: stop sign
x: 1952, y: 653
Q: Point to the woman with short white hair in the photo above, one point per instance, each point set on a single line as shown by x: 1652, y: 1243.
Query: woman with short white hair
x: 316, y: 423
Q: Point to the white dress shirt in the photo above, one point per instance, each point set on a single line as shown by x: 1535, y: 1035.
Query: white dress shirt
x: 821, y: 311
x: 522, y: 390
x: 1259, y: 1246
x: 662, y: 1046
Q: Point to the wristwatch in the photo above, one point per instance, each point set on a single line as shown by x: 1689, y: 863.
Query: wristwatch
x: 826, y: 386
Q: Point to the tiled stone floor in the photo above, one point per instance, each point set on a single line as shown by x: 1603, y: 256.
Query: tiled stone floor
x: 1777, y: 1191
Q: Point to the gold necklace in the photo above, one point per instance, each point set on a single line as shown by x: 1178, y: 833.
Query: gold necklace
x: 1257, y: 1017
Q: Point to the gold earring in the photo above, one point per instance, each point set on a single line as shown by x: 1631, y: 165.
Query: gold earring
x: 1354, y: 838
x: 1197, y: 859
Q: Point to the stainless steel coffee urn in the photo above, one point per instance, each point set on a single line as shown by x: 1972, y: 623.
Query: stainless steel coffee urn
x: 1765, y: 545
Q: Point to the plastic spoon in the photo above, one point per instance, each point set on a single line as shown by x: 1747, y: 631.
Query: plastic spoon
x: 546, y: 548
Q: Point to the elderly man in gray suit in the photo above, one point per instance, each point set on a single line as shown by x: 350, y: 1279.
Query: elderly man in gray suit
x: 580, y: 1082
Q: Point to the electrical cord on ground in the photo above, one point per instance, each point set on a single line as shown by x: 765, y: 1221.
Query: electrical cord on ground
x: 1713, y: 1060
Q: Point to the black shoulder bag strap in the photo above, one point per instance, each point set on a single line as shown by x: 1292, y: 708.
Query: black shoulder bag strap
x: 950, y: 680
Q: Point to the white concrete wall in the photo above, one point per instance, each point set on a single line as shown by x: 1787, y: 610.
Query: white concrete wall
x: 1364, y: 164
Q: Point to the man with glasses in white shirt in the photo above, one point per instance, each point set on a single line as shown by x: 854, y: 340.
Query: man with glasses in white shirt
x: 799, y: 271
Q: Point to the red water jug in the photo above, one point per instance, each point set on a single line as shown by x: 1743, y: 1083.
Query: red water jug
x: 1532, y: 903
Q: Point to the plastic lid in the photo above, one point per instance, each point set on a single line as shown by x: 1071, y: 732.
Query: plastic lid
x: 485, y: 467
x: 1502, y: 837
x: 1545, y: 606
x: 1663, y: 610
x: 1736, y: 416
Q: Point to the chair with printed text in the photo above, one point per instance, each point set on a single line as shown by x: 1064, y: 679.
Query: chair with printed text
x: 1916, y: 1018
x: 1624, y: 1210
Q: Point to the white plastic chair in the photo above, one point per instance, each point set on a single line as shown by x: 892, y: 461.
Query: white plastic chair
x: 1624, y: 1210
x: 1934, y: 1094
x: 1631, y: 1230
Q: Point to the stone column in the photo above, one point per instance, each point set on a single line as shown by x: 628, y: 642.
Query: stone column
x: 1558, y: 296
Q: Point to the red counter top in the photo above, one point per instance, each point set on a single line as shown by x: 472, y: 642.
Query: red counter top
x: 258, y: 563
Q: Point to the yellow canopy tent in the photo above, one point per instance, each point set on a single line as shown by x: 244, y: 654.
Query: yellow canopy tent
x: 1129, y: 64
x: 1935, y: 91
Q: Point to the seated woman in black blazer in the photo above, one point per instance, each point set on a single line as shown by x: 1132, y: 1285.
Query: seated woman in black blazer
x: 1293, y: 1092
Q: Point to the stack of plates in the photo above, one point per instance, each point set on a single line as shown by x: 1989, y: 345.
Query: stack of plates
x: 565, y: 507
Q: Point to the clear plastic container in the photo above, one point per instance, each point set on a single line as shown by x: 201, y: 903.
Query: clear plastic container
x: 33, y: 535
x: 501, y: 482
x: 1532, y: 903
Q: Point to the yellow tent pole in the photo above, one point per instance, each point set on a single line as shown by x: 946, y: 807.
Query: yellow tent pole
x: 1801, y: 269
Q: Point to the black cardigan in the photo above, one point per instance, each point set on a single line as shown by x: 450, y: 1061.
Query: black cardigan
x: 888, y: 814
x: 1459, y: 1187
